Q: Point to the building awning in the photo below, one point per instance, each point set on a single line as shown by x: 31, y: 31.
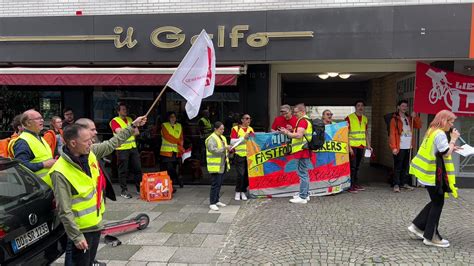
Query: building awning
x: 123, y: 76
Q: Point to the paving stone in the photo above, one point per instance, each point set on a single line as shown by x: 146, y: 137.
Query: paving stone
x: 185, y: 240
x: 116, y: 262
x: 227, y: 209
x: 194, y: 255
x: 122, y: 252
x: 149, y: 239
x: 173, y: 217
x: 137, y: 263
x: 226, y: 217
x: 195, y: 209
x: 178, y: 227
x: 213, y: 241
x: 203, y: 217
x: 212, y: 228
x: 154, y: 253
x: 115, y: 215
x: 168, y: 208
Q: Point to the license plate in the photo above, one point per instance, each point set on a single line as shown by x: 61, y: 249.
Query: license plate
x: 29, y: 237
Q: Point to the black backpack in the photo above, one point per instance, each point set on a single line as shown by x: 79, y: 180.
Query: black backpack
x: 388, y: 119
x: 318, y: 136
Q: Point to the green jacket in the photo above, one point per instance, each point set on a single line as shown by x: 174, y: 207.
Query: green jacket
x: 63, y: 190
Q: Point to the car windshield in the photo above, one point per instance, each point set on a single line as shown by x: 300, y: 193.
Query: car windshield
x: 15, y: 183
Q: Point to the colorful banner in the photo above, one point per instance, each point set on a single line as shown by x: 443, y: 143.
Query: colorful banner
x: 272, y: 167
x: 437, y: 90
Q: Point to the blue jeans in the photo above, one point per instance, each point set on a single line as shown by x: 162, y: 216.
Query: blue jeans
x: 302, y: 168
x: 216, y: 183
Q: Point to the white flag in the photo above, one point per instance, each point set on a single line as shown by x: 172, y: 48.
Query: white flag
x: 195, y: 76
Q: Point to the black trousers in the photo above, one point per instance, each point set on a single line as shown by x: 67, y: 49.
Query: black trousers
x: 428, y: 219
x: 171, y: 164
x: 216, y: 183
x: 355, y: 163
x: 75, y: 256
x: 242, y: 173
x: 400, y: 168
x: 129, y: 163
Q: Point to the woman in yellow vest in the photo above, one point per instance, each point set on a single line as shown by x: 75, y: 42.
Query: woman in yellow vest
x: 217, y: 152
x: 171, y: 146
x: 240, y: 133
x: 434, y: 168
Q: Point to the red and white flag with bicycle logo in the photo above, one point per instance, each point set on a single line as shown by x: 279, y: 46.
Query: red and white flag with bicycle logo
x: 437, y: 90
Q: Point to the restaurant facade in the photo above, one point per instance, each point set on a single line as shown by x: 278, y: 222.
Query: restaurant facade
x: 264, y: 59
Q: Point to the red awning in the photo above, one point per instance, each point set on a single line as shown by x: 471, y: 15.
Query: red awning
x: 226, y: 76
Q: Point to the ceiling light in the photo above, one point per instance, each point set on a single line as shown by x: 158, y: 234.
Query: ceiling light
x: 344, y: 76
x: 333, y: 74
x: 323, y: 76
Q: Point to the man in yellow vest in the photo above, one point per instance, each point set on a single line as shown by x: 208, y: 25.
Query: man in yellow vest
x: 100, y: 150
x: 171, y: 150
x: 128, y: 158
x: 241, y: 134
x: 30, y: 148
x: 78, y: 186
x: 359, y: 141
x: 300, y: 151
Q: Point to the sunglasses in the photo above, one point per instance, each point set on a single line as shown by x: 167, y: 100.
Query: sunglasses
x: 247, y: 118
x: 329, y: 114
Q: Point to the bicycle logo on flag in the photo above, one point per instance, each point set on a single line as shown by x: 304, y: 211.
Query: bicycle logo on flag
x: 451, y: 96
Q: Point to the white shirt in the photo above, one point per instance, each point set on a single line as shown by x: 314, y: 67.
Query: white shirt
x: 405, y: 137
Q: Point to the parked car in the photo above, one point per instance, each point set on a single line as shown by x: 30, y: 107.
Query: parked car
x: 30, y: 231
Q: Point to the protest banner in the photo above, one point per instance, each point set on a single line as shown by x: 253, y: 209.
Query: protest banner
x: 438, y: 89
x: 272, y: 167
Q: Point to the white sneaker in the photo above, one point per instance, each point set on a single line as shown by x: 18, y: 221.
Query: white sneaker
x: 213, y: 207
x: 307, y: 198
x: 443, y: 243
x: 298, y: 200
x: 237, y: 196
x: 220, y: 204
x: 412, y: 228
x: 243, y: 196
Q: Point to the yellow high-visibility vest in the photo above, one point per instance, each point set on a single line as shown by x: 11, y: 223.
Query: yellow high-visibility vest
x: 176, y: 132
x: 423, y: 165
x: 213, y: 160
x: 300, y: 144
x: 357, y: 135
x: 84, y: 203
x: 130, y: 143
x: 40, y: 149
x: 207, y: 127
x: 241, y: 149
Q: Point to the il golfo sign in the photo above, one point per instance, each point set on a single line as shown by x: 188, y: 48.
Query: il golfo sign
x: 437, y: 90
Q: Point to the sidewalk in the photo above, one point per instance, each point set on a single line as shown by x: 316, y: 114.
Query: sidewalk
x: 182, y: 230
x: 365, y: 228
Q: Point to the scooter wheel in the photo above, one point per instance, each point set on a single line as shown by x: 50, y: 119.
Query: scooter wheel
x: 143, y: 221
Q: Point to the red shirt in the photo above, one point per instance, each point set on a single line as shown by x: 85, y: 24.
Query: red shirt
x: 235, y: 135
x: 280, y: 121
x: 360, y: 121
x: 303, y: 153
x: 114, y: 125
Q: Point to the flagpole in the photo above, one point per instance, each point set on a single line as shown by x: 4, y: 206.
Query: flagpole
x: 156, y: 100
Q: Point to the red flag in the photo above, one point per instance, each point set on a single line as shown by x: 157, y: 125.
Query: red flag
x: 438, y: 89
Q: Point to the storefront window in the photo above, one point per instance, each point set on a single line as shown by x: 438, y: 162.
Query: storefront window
x: 15, y: 100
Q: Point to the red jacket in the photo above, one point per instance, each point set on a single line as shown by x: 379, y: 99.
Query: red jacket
x: 396, y: 128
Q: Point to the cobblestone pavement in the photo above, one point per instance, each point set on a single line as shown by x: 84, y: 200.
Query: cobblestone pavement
x: 366, y: 228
